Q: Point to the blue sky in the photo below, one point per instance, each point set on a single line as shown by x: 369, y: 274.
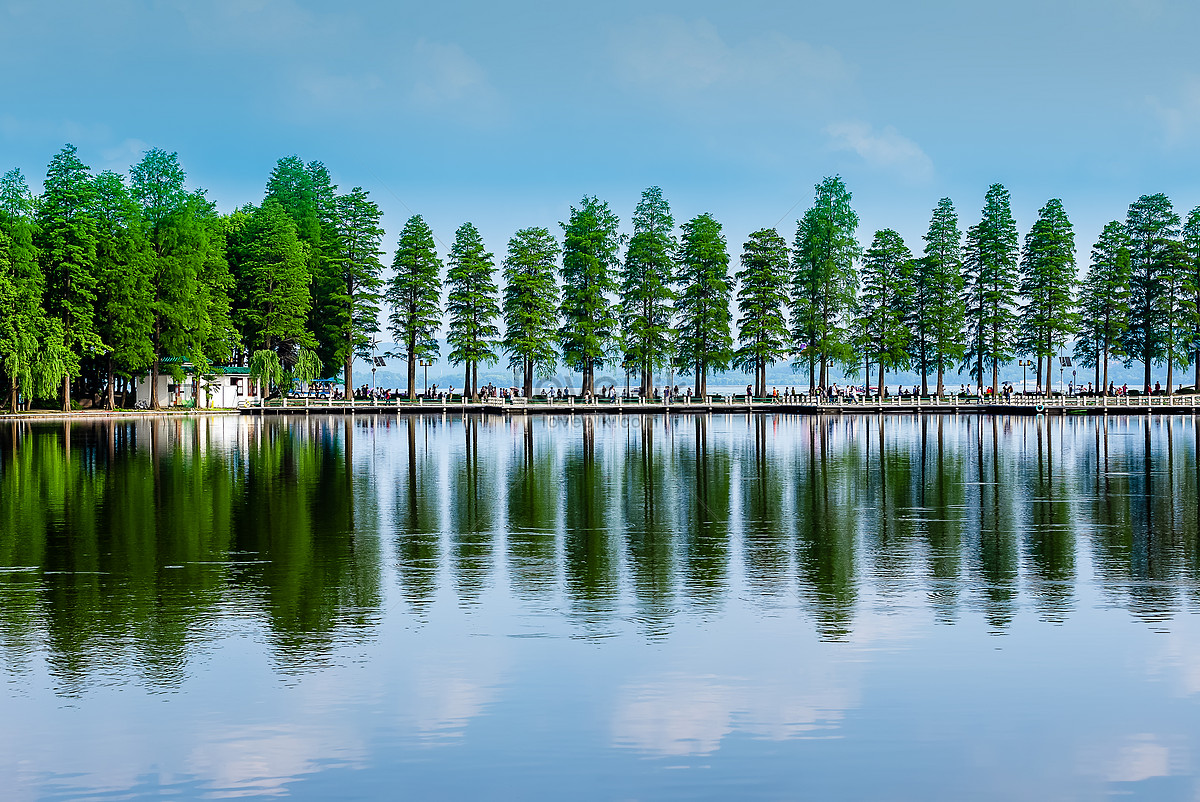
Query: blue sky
x: 505, y: 114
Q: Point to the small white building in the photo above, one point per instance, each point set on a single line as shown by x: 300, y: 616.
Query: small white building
x: 225, y: 387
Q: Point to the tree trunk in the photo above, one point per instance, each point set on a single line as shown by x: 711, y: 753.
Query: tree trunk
x: 940, y: 374
x: 467, y: 382
x: 812, y: 370
x: 155, y: 402
x: 1146, y: 384
x: 474, y: 381
x: 348, y: 375
x: 1170, y: 367
x: 110, y: 401
x: 995, y: 377
x: 881, y: 384
x: 528, y: 388
x: 66, y: 392
x: 412, y: 369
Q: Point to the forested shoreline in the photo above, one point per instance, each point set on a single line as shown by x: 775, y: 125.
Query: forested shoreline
x: 105, y: 277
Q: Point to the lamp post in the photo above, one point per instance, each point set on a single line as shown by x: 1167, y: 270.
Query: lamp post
x: 425, y: 364
x: 374, y: 366
x: 1024, y: 363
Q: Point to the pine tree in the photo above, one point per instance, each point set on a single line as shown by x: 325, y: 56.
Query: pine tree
x: 704, y: 342
x: 530, y: 304
x: 991, y: 286
x: 1104, y: 302
x: 473, y: 306
x: 277, y: 281
x: 1150, y: 224
x: 22, y: 320
x: 1177, y: 300
x: 937, y: 313
x: 589, y: 263
x: 157, y: 184
x: 884, y: 305
x: 824, y: 280
x: 1048, y: 319
x: 66, y: 243
x: 1191, y: 239
x: 414, y: 295
x: 353, y: 297
x: 125, y: 295
x: 646, y: 293
x: 762, y: 298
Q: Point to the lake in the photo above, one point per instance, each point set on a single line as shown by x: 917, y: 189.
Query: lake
x: 601, y: 607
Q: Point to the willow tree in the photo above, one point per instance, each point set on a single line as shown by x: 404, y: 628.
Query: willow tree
x: 884, y: 304
x: 704, y: 342
x: 472, y: 304
x: 589, y: 264
x: 530, y: 304
x: 646, y: 292
x: 66, y: 242
x: 991, y: 288
x: 1104, y: 302
x: 824, y: 281
x: 414, y: 295
x: 1048, y: 319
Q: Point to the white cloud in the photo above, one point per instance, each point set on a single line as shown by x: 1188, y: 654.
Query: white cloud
x: 886, y: 149
x: 446, y: 77
x: 1180, y: 118
x: 677, y: 58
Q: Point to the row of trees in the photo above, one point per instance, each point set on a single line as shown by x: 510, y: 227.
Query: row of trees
x: 104, y: 278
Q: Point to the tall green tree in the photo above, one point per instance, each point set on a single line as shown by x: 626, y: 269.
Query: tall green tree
x: 1178, y: 301
x: 356, y: 275
x: 1150, y: 224
x: 125, y: 295
x: 1104, y: 302
x: 885, y: 302
x: 991, y: 278
x: 276, y: 292
x: 23, y: 323
x: 1048, y: 319
x: 531, y: 304
x: 762, y: 301
x: 178, y: 254
x: 646, y: 291
x: 66, y: 243
x: 414, y: 296
x: 1191, y: 239
x: 704, y: 342
x: 473, y: 306
x: 824, y: 281
x: 936, y: 316
x: 589, y: 271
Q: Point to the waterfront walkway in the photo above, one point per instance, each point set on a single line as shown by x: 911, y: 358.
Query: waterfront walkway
x: 807, y: 405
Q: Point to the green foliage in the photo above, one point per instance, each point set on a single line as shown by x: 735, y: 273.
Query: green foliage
x: 22, y: 319
x: 414, y: 295
x: 66, y: 241
x: 1104, y: 301
x: 702, y: 304
x: 1191, y: 291
x: 1048, y: 318
x: 646, y: 292
x: 762, y: 298
x: 991, y: 287
x: 530, y: 304
x: 267, y: 369
x: 350, y: 294
x: 589, y: 264
x: 1151, y: 224
x: 308, y: 366
x: 824, y: 281
x: 472, y: 303
x: 937, y: 313
x: 125, y: 293
x: 885, y: 303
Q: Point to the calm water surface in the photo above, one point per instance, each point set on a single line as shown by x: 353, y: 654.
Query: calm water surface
x: 601, y: 608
